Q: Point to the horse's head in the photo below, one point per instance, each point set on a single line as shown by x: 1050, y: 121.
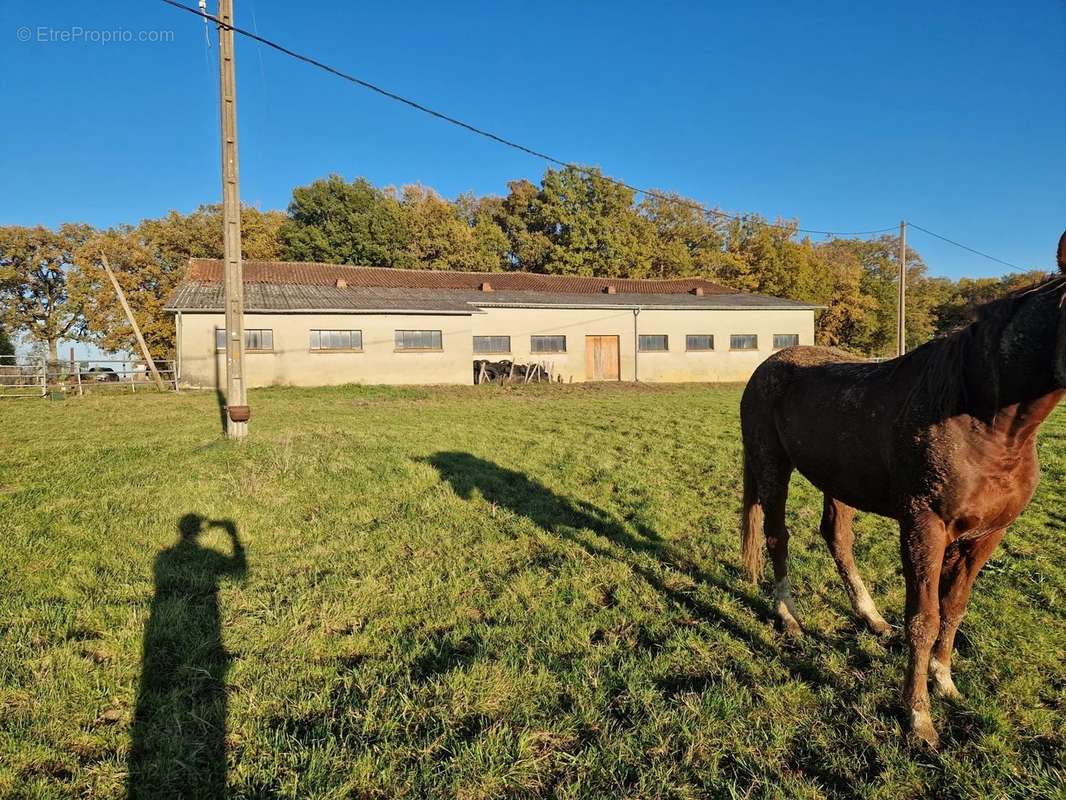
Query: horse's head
x: 1060, y: 349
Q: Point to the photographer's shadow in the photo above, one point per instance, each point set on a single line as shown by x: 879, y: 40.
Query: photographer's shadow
x: 179, y: 725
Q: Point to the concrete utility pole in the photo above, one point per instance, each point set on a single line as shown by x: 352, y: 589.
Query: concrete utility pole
x: 901, y: 334
x: 237, y: 412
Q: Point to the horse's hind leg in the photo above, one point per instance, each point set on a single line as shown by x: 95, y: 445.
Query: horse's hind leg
x: 773, y: 488
x: 837, y: 532
x: 962, y: 561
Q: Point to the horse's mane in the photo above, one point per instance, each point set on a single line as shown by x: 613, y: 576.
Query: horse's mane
x: 941, y: 385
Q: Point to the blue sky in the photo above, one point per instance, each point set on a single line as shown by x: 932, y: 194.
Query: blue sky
x: 846, y: 115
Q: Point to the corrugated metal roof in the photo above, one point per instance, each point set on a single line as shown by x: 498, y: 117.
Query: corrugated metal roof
x: 291, y: 287
x: 259, y: 297
x: 306, y: 273
x: 733, y: 300
x: 289, y: 298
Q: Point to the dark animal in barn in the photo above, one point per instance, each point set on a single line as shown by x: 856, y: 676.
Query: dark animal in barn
x: 942, y: 439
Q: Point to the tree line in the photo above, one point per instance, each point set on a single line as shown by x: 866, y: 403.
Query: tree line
x: 575, y: 222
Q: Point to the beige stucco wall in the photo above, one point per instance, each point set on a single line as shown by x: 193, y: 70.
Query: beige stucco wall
x: 674, y: 365
x: 293, y: 363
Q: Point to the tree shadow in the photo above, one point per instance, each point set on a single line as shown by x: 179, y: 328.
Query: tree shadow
x: 179, y: 724
x: 467, y: 473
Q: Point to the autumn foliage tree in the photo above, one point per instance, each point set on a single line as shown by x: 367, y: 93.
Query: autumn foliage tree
x: 575, y: 221
x: 450, y: 236
x: 335, y: 221
x: 35, y: 297
x: 7, y: 347
x: 149, y: 261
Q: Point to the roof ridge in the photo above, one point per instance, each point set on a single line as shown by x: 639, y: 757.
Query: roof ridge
x: 370, y: 267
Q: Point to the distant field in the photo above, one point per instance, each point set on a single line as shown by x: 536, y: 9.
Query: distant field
x: 474, y: 593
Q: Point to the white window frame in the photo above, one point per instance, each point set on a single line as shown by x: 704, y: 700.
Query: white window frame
x: 689, y: 336
x: 664, y: 349
x: 536, y: 351
x: 319, y: 349
x: 220, y: 333
x: 399, y: 348
x: 505, y: 351
x: 796, y: 336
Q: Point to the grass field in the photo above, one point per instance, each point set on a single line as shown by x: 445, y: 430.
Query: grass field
x: 474, y: 593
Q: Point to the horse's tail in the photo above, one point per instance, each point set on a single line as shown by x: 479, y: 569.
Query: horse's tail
x: 751, y: 524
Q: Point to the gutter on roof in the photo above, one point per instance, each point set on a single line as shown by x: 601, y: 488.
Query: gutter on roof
x: 434, y: 312
x: 651, y: 306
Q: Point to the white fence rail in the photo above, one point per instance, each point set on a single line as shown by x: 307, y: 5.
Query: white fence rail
x: 23, y: 378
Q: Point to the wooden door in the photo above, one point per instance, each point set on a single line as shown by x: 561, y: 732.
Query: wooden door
x: 601, y: 358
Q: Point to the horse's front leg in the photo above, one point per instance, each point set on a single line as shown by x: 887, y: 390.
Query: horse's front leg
x: 922, y: 542
x: 963, y: 559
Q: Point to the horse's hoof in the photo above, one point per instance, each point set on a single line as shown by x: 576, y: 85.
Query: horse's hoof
x: 943, y: 685
x: 923, y: 730
x: 947, y: 691
x: 791, y: 628
x: 878, y: 626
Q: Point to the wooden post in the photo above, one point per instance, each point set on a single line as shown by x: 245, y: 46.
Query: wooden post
x: 44, y: 378
x: 177, y: 347
x: 133, y: 323
x: 81, y: 391
x: 901, y: 323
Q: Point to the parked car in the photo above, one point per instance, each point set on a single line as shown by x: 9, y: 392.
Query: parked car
x: 100, y: 375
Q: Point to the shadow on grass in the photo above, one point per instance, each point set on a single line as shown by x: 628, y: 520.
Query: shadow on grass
x: 653, y: 560
x: 513, y: 490
x: 220, y: 396
x: 179, y: 725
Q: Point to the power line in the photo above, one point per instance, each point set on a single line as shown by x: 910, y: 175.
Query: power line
x: 965, y: 247
x: 495, y: 137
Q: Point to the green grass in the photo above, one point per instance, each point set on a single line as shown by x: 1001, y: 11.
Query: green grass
x: 475, y: 593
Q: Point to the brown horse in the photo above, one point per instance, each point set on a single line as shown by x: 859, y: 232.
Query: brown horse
x: 942, y: 439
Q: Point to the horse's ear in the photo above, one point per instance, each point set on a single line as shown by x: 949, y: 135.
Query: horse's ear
x: 1062, y: 253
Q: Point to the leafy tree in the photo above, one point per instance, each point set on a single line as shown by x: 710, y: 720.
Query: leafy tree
x: 766, y: 259
x: 879, y: 260
x: 149, y: 260
x: 959, y: 301
x: 7, y: 347
x: 528, y: 248
x: 450, y: 236
x: 592, y: 226
x: 687, y: 241
x: 491, y: 245
x: 178, y: 237
x: 847, y: 322
x: 146, y: 279
x: 345, y: 223
x: 34, y: 295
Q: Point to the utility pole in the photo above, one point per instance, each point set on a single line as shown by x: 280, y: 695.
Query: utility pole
x: 237, y: 411
x: 901, y: 329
